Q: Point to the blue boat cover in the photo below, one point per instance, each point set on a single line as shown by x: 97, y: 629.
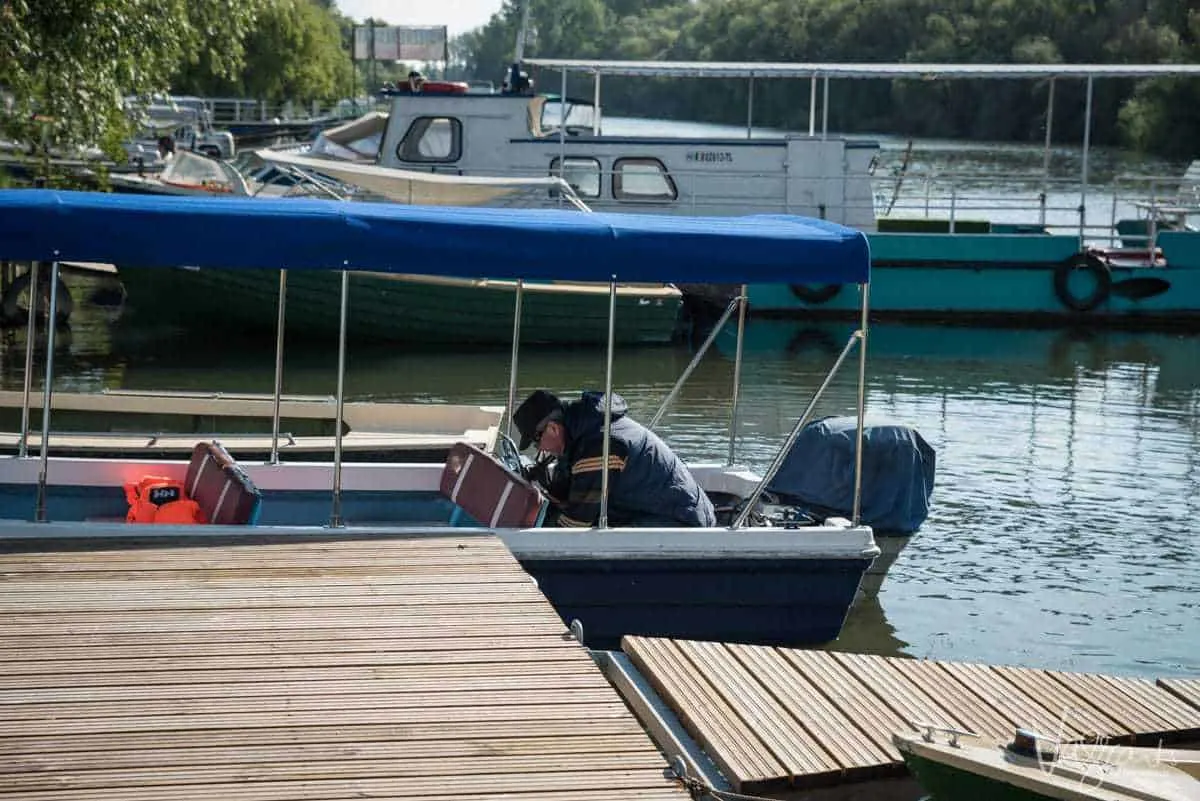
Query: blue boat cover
x: 898, y: 466
x: 468, y: 242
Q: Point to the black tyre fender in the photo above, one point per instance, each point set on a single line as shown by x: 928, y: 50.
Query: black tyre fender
x: 10, y: 304
x: 1100, y: 291
x: 821, y: 293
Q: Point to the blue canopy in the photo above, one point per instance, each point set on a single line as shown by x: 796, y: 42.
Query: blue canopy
x: 468, y: 242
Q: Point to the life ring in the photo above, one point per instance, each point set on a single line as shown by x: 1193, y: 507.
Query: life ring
x: 820, y: 293
x: 15, y: 308
x: 1101, y: 289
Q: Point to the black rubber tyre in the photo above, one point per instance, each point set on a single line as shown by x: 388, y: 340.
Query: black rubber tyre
x: 1101, y: 288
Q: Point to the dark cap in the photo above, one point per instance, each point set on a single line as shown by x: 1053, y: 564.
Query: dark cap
x: 536, y: 408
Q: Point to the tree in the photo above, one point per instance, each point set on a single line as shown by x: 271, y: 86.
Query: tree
x: 73, y: 62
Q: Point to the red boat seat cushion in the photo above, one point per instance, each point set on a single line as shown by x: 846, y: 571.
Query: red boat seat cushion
x: 220, y: 486
x: 488, y: 491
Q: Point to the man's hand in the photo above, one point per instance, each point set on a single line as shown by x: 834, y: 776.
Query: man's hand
x: 539, y: 472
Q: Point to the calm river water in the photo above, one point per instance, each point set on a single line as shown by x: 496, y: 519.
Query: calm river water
x: 1062, y: 533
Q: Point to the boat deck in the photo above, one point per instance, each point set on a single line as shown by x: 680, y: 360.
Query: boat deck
x: 777, y: 720
x: 412, y: 667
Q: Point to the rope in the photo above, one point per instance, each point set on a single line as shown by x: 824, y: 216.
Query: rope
x: 699, y: 788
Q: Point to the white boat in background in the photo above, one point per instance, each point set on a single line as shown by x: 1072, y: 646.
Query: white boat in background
x: 270, y: 173
x: 165, y: 425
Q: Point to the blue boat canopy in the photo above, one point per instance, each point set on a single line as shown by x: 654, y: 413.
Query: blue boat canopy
x: 467, y: 242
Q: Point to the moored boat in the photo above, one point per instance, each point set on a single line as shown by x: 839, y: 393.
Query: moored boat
x: 952, y: 765
x: 756, y: 577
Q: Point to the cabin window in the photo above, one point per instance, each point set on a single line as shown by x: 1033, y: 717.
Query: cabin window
x: 431, y: 140
x: 582, y: 174
x: 642, y: 179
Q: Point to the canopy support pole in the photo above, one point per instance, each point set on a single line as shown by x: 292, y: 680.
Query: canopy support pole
x: 1083, y: 180
x: 596, y: 106
x: 750, y: 108
x: 608, y: 384
x: 1046, y: 153
x: 562, y: 133
x: 740, y: 520
x: 30, y: 335
x: 743, y: 301
x: 825, y: 109
x: 861, y: 333
x: 507, y: 430
x: 712, y: 335
x: 812, y: 107
x: 278, y: 367
x: 335, y: 516
x: 51, y: 320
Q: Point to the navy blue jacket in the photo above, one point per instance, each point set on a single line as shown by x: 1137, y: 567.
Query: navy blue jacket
x: 648, y: 483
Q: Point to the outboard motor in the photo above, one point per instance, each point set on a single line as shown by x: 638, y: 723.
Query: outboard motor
x: 817, y: 475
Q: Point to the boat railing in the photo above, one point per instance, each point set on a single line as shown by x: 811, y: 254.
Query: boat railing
x: 1122, y: 211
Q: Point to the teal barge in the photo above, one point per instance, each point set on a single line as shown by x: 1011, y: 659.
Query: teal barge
x: 1009, y: 277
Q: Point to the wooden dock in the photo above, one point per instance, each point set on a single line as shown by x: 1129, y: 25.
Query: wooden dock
x: 425, y: 667
x: 776, y: 720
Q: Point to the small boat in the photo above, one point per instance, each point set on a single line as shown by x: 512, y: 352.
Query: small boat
x: 390, y: 307
x: 955, y: 765
x: 758, y: 576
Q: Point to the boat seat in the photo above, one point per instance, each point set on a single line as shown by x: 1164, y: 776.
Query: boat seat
x: 489, y: 492
x: 221, y: 487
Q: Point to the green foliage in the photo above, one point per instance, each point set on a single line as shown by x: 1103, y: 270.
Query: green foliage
x: 73, y: 62
x: 1161, y: 116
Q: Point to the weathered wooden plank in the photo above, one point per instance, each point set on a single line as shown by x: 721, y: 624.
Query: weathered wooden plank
x: 1083, y: 717
x: 266, y: 704
x: 1175, y: 714
x: 432, y: 681
x: 413, y: 636
x: 872, y: 718
x: 461, y: 615
x: 252, y: 753
x: 123, y: 608
x: 705, y: 715
x: 31, y: 652
x: 1113, y: 700
x: 1186, y: 689
x: 1007, y: 699
x: 447, y: 768
x: 824, y: 724
x: 561, y: 786
x: 977, y: 715
x: 771, y: 718
x: 909, y: 701
x: 445, y: 734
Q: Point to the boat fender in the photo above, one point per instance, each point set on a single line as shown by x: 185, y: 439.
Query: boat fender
x: 820, y: 293
x: 11, y: 308
x: 1101, y: 289
x: 155, y: 499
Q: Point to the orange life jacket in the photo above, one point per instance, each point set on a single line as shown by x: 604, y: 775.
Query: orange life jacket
x: 155, y: 499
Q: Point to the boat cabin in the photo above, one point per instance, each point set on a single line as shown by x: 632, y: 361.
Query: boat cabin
x: 525, y: 135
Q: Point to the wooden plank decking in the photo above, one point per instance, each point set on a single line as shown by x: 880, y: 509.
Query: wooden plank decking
x: 423, y: 667
x: 775, y: 719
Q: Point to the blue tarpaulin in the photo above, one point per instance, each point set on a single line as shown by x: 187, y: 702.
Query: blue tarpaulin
x: 898, y: 472
x: 468, y: 242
